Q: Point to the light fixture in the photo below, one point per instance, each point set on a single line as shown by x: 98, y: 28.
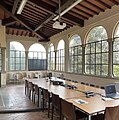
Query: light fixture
x: 59, y: 24
x: 23, y: 3
x: 67, y: 9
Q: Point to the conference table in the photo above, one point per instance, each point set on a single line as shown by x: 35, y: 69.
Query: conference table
x: 77, y: 96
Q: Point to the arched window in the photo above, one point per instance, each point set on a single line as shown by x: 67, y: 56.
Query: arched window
x: 37, y: 57
x: 51, y: 57
x: 17, y: 56
x: 116, y: 52
x: 96, y: 53
x: 60, y: 56
x: 75, y: 53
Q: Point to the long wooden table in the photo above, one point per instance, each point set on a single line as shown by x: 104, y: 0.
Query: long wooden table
x: 93, y: 104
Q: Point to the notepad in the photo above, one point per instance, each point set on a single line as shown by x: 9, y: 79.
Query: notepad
x: 80, y: 101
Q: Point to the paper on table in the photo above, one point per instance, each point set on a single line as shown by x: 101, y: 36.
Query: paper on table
x: 80, y: 101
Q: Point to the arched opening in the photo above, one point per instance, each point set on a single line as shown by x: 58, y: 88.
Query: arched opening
x: 75, y: 54
x: 17, y: 56
x: 116, y: 52
x: 96, y: 52
x: 37, y: 57
x: 51, y: 57
x: 60, y: 56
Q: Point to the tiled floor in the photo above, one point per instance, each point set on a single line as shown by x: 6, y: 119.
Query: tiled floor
x: 12, y: 97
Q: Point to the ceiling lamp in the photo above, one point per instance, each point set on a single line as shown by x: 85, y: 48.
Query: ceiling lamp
x: 23, y: 3
x: 59, y: 24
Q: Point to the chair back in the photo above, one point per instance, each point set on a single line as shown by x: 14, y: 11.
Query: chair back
x: 46, y: 94
x: 36, y: 89
x: 112, y: 113
x: 26, y: 83
x: 31, y: 86
x: 56, y: 101
x: 68, y: 110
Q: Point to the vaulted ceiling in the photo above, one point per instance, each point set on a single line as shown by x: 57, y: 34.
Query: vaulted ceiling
x: 36, y: 19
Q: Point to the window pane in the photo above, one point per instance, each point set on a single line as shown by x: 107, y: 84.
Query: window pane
x: 96, y: 52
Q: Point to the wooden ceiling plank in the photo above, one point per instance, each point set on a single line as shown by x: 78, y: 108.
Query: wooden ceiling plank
x: 15, y: 6
x: 115, y: 1
x: 81, y: 13
x: 89, y: 5
x: 8, y: 21
x: 72, y: 18
x: 19, y: 18
x: 90, y: 2
x: 104, y: 4
x: 80, y: 7
x: 50, y: 9
x: 34, y: 12
x: 85, y: 13
x: 50, y: 17
x: 35, y: 8
x: 89, y: 9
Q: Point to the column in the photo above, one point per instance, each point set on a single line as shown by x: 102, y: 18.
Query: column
x: 26, y: 61
x: 83, y: 59
x: 3, y: 59
x: 110, y: 57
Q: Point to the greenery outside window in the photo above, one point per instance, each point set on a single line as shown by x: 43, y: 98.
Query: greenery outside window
x: 116, y: 53
x: 96, y: 52
x: 51, y: 58
x: 75, y: 54
x: 60, y: 56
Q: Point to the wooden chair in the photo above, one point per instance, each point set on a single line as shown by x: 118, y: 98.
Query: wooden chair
x: 31, y: 91
x: 69, y: 112
x: 111, y: 113
x: 46, y: 99
x: 102, y: 87
x: 36, y: 92
x: 74, y: 81
x: 92, y: 85
x: 56, y: 104
x: 26, y: 87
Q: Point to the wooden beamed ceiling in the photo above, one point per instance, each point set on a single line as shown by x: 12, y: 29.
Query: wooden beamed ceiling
x: 36, y: 19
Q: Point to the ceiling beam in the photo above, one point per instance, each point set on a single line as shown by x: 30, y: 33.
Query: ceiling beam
x: 42, y: 5
x: 27, y: 31
x: 50, y: 17
x: 15, y: 6
x: 71, y: 18
x: 20, y: 19
x: 8, y: 21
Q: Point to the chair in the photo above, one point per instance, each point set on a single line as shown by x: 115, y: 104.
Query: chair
x: 74, y: 81
x: 111, y: 113
x: 46, y: 99
x: 26, y: 87
x: 56, y: 104
x: 92, y: 85
x: 36, y: 92
x: 69, y: 112
x: 31, y: 91
x: 102, y: 87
